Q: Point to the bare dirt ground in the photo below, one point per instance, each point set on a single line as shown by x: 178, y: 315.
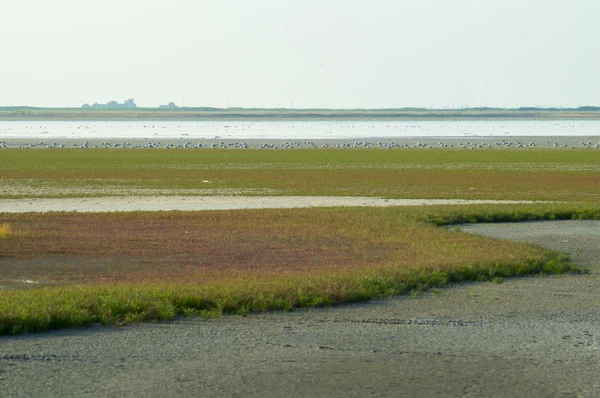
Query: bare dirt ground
x: 157, y: 203
x: 536, y: 336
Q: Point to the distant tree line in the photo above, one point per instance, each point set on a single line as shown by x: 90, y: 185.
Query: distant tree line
x: 581, y: 108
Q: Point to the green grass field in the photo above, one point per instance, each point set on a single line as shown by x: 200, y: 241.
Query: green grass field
x: 534, y: 174
x: 68, y: 269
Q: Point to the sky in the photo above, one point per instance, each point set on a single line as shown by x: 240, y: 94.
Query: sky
x: 301, y: 54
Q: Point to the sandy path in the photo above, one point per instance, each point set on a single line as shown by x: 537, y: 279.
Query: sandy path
x: 526, y: 337
x: 156, y: 203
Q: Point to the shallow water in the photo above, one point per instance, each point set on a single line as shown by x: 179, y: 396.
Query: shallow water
x: 299, y: 130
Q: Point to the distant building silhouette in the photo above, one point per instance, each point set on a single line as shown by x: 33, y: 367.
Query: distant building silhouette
x: 127, y: 104
x: 170, y: 105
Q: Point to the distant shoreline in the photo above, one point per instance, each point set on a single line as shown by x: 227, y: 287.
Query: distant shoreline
x: 65, y: 114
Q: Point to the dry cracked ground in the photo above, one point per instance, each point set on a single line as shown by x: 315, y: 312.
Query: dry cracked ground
x: 527, y: 337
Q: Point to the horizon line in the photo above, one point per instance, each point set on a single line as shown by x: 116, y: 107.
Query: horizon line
x: 224, y: 109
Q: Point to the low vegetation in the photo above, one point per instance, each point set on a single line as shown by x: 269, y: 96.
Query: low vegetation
x: 20, y: 113
x: 529, y: 174
x: 66, y: 269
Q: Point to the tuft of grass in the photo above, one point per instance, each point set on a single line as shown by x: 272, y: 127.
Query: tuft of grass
x: 5, y: 230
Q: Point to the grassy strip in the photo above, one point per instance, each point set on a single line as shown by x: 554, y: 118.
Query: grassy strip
x: 67, y: 306
x: 538, y: 212
x: 211, y: 113
x: 52, y: 308
x: 536, y: 174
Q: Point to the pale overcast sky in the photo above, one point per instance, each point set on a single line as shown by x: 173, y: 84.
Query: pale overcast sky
x: 309, y: 53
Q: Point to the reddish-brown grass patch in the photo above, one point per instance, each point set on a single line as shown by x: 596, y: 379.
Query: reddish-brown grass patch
x: 198, y: 247
x: 121, y: 268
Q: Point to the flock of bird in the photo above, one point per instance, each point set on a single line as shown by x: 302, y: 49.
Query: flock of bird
x: 333, y: 134
x: 305, y: 144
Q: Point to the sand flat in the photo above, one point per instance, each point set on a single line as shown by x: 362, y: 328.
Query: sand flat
x: 196, y: 203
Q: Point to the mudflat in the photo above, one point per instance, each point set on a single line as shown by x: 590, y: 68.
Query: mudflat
x: 535, y: 336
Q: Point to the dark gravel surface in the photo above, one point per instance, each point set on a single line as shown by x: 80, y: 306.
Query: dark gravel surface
x: 536, y: 336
